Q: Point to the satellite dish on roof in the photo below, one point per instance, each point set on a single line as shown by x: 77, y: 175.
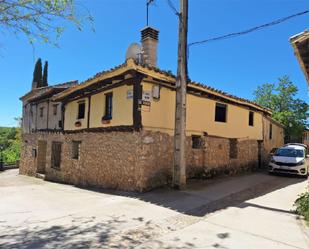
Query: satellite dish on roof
x: 134, y: 51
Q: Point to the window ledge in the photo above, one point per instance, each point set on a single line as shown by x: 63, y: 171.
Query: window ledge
x: 106, y: 120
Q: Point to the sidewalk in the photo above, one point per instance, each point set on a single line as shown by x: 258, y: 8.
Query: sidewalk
x: 266, y: 221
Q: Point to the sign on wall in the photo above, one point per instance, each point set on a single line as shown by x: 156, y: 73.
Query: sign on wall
x: 130, y: 94
x: 156, y: 92
x: 147, y: 96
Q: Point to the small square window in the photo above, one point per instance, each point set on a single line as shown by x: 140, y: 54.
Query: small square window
x: 220, y: 115
x: 197, y: 142
x: 251, y: 118
x: 34, y: 152
x: 76, y: 149
x: 55, y: 109
x: 41, y: 112
x: 81, y: 110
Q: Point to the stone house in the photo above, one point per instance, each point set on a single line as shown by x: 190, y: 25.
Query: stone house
x: 118, y: 129
x: 39, y: 112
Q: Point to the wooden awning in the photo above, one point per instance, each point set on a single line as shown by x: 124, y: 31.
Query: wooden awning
x: 300, y: 43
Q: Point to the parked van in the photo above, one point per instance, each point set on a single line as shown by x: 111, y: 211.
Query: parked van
x: 290, y: 159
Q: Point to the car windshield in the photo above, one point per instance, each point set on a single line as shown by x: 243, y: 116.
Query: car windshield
x: 289, y: 153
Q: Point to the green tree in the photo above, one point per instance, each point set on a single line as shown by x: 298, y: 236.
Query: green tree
x: 37, y: 74
x: 281, y: 98
x: 45, y: 75
x: 41, y: 20
x: 10, y: 141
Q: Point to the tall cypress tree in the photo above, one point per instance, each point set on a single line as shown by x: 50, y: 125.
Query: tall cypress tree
x: 45, y: 74
x: 37, y: 74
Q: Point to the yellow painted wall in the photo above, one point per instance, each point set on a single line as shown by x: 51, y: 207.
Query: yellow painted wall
x: 70, y: 115
x: 200, y: 117
x: 122, y: 108
x: 160, y: 116
x: 277, y: 139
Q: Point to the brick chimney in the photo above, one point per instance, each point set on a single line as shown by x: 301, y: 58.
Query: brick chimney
x: 150, y: 43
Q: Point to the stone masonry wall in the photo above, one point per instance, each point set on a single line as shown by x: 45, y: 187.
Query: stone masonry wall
x: 156, y: 158
x: 107, y: 160
x: 134, y: 160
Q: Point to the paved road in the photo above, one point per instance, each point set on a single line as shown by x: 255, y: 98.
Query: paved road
x: 251, y: 211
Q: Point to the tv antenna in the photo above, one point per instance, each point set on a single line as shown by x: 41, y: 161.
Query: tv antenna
x: 149, y: 2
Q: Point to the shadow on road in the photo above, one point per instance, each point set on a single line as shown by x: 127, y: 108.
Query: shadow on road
x: 86, y: 233
x: 199, y: 199
x: 200, y: 196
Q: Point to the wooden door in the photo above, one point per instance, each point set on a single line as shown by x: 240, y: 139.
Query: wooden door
x: 41, y: 159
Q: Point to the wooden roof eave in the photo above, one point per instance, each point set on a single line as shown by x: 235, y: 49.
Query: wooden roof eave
x: 300, y: 61
x: 167, y: 79
x: 256, y: 107
x: 130, y: 66
x: 102, y: 77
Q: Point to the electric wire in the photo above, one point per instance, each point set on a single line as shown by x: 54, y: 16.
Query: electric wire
x: 250, y: 30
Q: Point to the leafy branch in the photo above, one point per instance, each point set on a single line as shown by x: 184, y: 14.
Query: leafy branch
x: 41, y: 20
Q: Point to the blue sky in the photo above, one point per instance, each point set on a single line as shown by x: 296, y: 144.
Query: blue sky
x: 236, y: 65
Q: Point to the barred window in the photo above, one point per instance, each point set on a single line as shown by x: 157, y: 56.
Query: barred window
x: 41, y: 111
x: 55, y: 109
x: 197, y: 142
x: 76, y: 149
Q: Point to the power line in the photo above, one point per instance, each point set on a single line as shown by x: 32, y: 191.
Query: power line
x: 235, y: 34
x: 172, y: 7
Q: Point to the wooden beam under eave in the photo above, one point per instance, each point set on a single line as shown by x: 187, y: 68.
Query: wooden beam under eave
x: 301, y: 62
x: 80, y: 93
x: 101, y: 89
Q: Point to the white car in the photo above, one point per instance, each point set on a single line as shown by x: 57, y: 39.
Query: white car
x: 290, y: 159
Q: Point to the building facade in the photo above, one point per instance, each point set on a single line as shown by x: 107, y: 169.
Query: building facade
x: 39, y: 112
x: 119, y: 126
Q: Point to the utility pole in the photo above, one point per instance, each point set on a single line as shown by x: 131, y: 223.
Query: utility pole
x: 179, y: 167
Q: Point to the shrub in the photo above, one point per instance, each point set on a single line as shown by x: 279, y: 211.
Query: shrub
x: 302, y: 205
